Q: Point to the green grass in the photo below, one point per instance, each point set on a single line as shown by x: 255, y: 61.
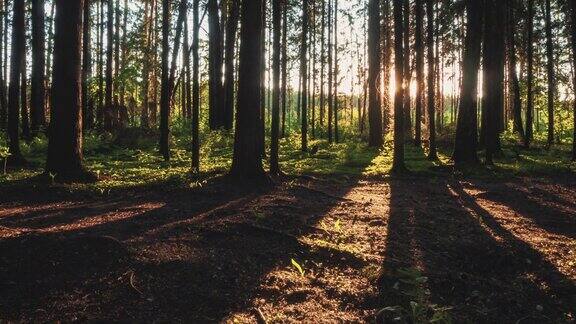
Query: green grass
x: 131, y: 160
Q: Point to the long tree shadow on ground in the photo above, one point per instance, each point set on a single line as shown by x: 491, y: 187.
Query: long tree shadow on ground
x: 194, y: 255
x: 473, y: 264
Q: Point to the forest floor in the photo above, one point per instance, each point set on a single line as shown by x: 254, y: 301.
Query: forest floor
x: 431, y: 245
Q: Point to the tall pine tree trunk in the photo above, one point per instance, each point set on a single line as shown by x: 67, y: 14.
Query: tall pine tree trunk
x: 493, y: 80
x: 398, y: 165
x: 108, y: 118
x: 275, y: 126
x: 87, y: 106
x: 16, y: 59
x: 432, y: 71
x: 573, y: 33
x: 38, y: 93
x: 247, y: 160
x: 530, y: 73
x: 165, y: 95
x: 550, y: 72
x: 304, y: 76
x: 231, y: 29
x: 375, y: 138
x: 418, y: 32
x: 466, y: 142
x: 512, y: 62
x: 216, y: 100
x: 195, y: 87
x: 65, y: 141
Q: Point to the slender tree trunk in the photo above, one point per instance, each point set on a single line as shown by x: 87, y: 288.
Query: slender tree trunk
x: 466, y: 142
x: 322, y: 62
x: 100, y: 112
x: 375, y: 138
x: 336, y: 72
x: 3, y: 106
x: 418, y: 32
x: 398, y: 165
x: 275, y: 130
x: 87, y: 106
x: 512, y: 62
x: 550, y: 72
x: 231, y: 29
x: 284, y: 63
x: 187, y: 107
x: 493, y: 69
x: 38, y: 93
x: 572, y: 4
x: 108, y: 117
x: 195, y: 87
x: 407, y: 72
x: 16, y: 59
x: 65, y: 141
x: 144, y: 117
x: 330, y: 75
x: 116, y: 53
x: 247, y: 162
x: 432, y: 154
x: 25, y: 108
x: 530, y: 72
x: 216, y: 101
x: 304, y: 75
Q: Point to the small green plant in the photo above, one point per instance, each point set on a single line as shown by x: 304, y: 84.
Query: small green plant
x: 297, y: 266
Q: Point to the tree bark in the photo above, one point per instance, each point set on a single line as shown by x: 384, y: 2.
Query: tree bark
x: 466, y: 142
x: 247, y: 162
x: 65, y: 141
x: 375, y: 138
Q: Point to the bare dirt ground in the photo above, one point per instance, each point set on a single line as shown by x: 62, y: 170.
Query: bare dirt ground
x: 481, y: 251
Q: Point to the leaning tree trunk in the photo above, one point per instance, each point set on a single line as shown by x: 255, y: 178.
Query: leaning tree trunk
x: 247, y: 160
x: 466, y: 141
x: 493, y: 80
x: 398, y: 165
x: 65, y: 141
x: 530, y: 72
x: 231, y: 28
x: 216, y: 113
x: 275, y: 130
x: 432, y: 154
x: 16, y: 60
x: 550, y: 72
x: 375, y: 138
x: 38, y: 93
